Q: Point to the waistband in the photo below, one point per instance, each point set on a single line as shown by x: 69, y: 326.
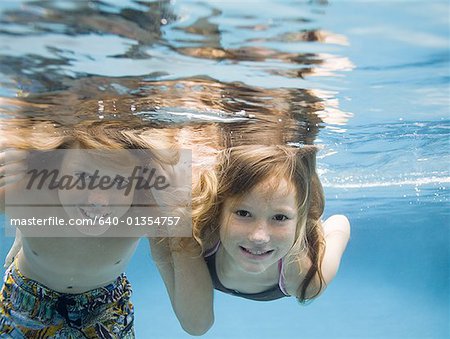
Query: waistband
x: 30, y: 296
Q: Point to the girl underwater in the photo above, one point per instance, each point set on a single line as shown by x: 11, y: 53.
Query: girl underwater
x: 257, y: 218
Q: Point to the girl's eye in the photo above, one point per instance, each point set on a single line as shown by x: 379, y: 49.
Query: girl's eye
x: 280, y: 217
x: 243, y: 213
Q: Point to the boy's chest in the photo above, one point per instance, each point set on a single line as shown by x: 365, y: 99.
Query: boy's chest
x: 81, y: 263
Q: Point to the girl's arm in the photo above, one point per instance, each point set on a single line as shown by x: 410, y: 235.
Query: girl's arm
x: 188, y: 284
x: 336, y: 230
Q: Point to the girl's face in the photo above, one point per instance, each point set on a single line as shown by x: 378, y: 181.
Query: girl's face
x: 260, y: 229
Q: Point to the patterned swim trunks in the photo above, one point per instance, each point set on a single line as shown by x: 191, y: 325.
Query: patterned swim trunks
x: 30, y: 310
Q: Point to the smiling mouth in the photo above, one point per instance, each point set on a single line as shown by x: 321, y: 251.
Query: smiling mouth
x: 90, y: 214
x: 255, y: 252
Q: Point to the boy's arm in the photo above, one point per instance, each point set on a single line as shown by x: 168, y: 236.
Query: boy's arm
x: 188, y: 284
x: 12, y: 170
x: 15, y: 248
x: 336, y: 230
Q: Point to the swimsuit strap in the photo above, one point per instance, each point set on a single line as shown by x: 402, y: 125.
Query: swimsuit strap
x: 282, y: 278
x: 212, y: 251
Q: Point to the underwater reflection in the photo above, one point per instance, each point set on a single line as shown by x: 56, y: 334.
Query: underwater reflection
x: 44, y: 82
x: 241, y: 113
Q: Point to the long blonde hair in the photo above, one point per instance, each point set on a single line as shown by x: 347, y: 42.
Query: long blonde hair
x: 238, y: 170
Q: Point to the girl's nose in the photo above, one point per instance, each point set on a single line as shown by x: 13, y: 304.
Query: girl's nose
x: 259, y: 235
x: 98, y: 198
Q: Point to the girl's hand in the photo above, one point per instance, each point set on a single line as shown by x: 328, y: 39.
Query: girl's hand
x: 12, y: 166
x: 175, y: 199
x: 178, y: 179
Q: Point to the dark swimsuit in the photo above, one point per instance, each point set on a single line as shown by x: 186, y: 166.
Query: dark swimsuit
x: 276, y: 292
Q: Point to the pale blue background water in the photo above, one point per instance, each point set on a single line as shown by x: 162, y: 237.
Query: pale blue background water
x: 387, y: 168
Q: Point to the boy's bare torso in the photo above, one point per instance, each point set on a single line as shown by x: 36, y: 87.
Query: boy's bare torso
x: 70, y: 264
x: 75, y: 265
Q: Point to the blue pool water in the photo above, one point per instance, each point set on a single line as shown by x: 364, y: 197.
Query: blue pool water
x: 367, y: 80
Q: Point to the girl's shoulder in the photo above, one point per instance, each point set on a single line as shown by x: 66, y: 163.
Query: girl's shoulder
x: 337, y: 223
